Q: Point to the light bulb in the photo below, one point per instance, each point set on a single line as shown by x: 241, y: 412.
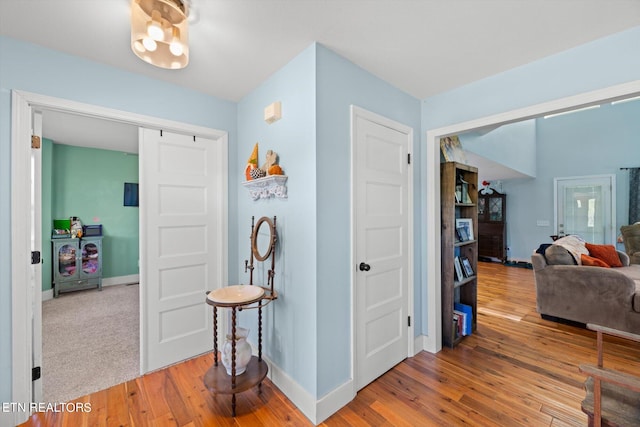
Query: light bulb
x: 139, y: 47
x: 154, y: 27
x: 176, y: 47
x: 149, y: 44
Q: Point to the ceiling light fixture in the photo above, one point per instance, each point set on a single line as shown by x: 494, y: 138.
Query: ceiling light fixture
x: 160, y: 32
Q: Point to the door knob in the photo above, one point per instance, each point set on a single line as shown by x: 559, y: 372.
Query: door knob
x: 364, y: 266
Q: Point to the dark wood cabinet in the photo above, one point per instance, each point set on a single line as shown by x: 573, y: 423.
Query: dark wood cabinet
x: 492, y: 228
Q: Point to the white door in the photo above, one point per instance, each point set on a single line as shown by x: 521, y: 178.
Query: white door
x: 381, y: 222
x: 585, y: 206
x: 36, y: 245
x: 182, y: 237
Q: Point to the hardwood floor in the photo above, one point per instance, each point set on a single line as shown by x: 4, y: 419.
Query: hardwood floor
x: 516, y: 370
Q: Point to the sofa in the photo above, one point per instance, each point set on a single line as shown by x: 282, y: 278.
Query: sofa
x: 570, y: 290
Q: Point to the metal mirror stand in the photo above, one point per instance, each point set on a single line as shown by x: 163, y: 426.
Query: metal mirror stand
x: 269, y: 251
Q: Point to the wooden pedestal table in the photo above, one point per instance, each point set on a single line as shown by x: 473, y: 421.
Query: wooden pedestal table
x: 217, y: 380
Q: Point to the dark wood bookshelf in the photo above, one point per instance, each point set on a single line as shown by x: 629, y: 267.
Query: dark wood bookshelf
x: 453, y: 291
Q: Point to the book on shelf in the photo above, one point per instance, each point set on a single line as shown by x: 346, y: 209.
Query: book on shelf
x: 462, y: 191
x: 466, y: 267
x: 461, y: 324
x: 467, y: 317
x: 455, y: 330
x: 458, y: 267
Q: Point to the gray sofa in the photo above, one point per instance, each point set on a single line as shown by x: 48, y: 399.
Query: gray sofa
x: 605, y: 296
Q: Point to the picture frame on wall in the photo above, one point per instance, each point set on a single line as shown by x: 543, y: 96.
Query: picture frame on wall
x: 452, y: 149
x: 467, y: 225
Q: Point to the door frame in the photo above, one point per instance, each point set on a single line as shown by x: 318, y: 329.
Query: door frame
x: 431, y: 190
x: 22, y: 105
x: 358, y: 112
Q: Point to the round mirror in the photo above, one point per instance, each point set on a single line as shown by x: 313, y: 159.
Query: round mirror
x: 262, y: 242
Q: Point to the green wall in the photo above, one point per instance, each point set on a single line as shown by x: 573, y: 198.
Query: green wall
x: 89, y: 183
x: 47, y: 157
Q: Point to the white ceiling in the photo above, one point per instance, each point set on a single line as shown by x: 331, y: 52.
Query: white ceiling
x: 423, y: 47
x: 84, y: 131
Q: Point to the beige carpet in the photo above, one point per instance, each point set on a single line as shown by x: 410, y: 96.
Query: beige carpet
x: 90, y: 341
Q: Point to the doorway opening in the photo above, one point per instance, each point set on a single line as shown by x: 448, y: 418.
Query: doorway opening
x: 85, y: 162
x: 431, y: 178
x: 26, y: 297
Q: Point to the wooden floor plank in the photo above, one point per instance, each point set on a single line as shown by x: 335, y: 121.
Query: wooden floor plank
x: 517, y: 369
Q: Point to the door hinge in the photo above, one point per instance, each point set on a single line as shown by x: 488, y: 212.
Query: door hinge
x: 36, y: 373
x: 409, y: 158
x: 35, y: 142
x: 409, y: 321
x: 35, y: 257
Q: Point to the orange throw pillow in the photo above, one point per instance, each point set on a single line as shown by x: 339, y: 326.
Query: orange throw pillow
x: 592, y: 262
x: 606, y: 253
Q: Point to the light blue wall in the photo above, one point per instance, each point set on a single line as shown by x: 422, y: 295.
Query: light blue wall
x: 342, y: 84
x: 31, y: 68
x: 592, y: 142
x: 512, y: 145
x: 291, y: 321
x: 89, y: 183
x: 312, y: 318
x: 602, y: 63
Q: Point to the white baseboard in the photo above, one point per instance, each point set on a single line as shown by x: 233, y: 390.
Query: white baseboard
x: 429, y: 344
x: 315, y: 410
x: 108, y: 281
x: 318, y: 411
x: 10, y: 419
x: 336, y: 399
x: 298, y: 395
x: 418, y: 344
x: 121, y: 280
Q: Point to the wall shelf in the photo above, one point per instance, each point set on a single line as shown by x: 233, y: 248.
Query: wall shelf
x: 267, y: 187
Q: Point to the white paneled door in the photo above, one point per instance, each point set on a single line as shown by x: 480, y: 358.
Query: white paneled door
x: 381, y: 182
x: 585, y: 206
x: 181, y: 233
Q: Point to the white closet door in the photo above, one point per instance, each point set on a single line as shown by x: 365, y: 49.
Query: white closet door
x: 382, y: 246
